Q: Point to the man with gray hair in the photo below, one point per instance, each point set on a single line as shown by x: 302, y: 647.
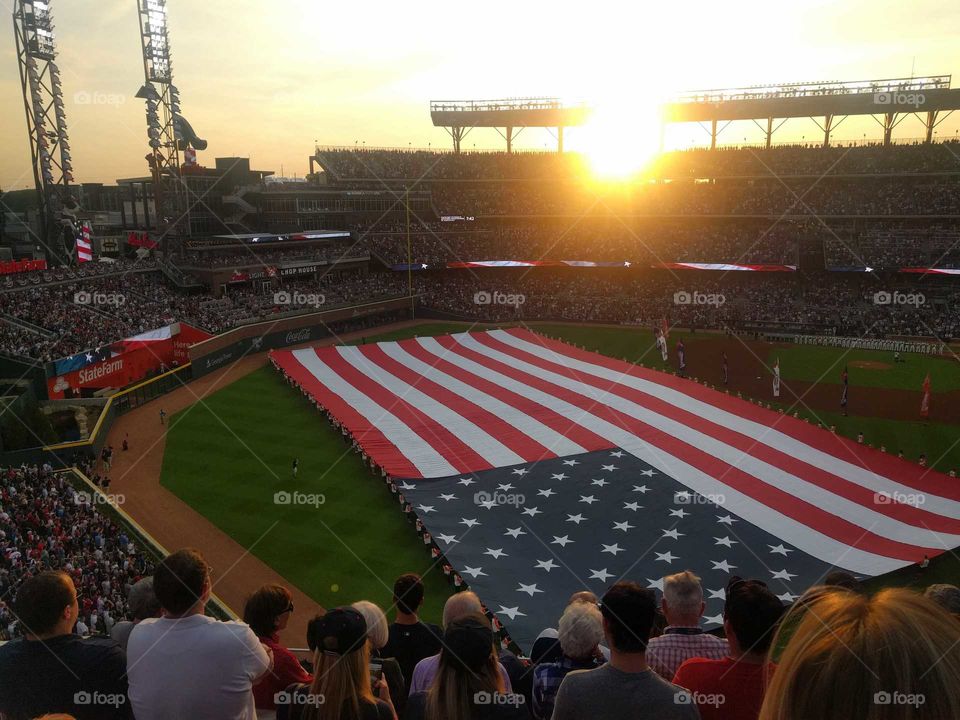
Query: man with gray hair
x: 946, y: 596
x: 581, y: 630
x: 683, y: 638
x: 143, y: 604
x: 457, y: 606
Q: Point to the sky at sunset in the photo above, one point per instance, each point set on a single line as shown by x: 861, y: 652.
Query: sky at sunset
x: 265, y: 79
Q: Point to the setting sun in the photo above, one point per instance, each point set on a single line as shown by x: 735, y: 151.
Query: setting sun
x: 621, y: 138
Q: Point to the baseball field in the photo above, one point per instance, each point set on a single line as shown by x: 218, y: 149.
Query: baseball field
x: 229, y: 455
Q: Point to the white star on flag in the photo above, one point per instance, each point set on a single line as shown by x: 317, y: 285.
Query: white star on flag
x: 562, y: 541
x: 571, y: 463
x: 641, y: 489
x: 514, y: 532
x: 647, y: 473
x: 599, y: 483
x: 473, y: 572
x: 783, y: 575
x: 667, y: 557
x: 532, y: 512
x: 720, y: 594
x: 632, y: 506
x: 622, y: 526
x: 727, y: 519
x: 465, y: 482
x: 617, y: 454
x: 609, y: 468
x: 713, y: 619
x: 601, y: 575
x: 588, y: 499
x: 546, y: 492
x: 496, y: 554
x: 788, y: 597
x: 520, y: 471
x: 506, y: 487
x: 612, y: 549
x: 425, y: 508
x: 679, y: 512
x: 673, y: 533
x: 655, y: 584
x: 488, y: 504
x: 529, y: 589
x: 510, y: 612
x: 448, y: 496
x: 578, y: 518
x: 725, y: 541
x: 558, y: 476
x: 779, y: 549
x: 469, y: 522
x: 448, y: 539
x: 407, y: 486
x: 547, y: 565
x: 722, y: 565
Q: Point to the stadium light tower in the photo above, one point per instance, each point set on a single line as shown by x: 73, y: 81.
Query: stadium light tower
x: 167, y: 131
x: 46, y: 125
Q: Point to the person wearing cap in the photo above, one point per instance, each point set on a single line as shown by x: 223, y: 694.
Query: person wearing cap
x: 188, y: 665
x: 468, y: 684
x: 625, y: 687
x: 733, y: 688
x: 342, y: 687
x: 457, y: 605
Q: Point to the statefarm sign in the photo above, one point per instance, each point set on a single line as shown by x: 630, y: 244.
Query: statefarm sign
x: 122, y: 363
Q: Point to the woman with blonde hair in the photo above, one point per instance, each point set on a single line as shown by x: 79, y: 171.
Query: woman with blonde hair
x: 342, y: 688
x: 851, y: 657
x: 378, y: 634
x: 468, y: 684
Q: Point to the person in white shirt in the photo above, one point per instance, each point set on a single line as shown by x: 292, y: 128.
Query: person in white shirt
x: 187, y: 665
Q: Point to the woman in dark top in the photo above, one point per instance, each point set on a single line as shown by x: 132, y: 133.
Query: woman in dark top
x: 468, y: 685
x: 341, y: 688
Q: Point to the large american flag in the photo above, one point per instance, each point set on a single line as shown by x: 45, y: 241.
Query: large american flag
x: 458, y: 406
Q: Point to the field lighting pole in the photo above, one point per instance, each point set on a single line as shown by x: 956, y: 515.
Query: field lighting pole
x: 406, y: 204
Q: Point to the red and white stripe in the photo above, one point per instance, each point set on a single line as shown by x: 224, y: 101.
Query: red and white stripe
x: 84, y: 246
x: 725, y: 267
x: 434, y: 407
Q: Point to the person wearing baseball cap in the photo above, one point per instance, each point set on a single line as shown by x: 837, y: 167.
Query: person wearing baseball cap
x: 342, y: 687
x: 468, y: 684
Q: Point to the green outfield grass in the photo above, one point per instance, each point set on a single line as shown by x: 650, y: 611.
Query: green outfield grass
x: 227, y: 456
x: 814, y: 364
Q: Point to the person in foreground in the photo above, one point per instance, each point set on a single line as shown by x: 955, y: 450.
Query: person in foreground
x: 342, y: 688
x: 188, y: 665
x: 683, y: 637
x: 409, y: 639
x: 51, y: 669
x: 732, y: 688
x: 625, y: 687
x: 892, y: 656
x: 468, y: 684
x: 267, y: 612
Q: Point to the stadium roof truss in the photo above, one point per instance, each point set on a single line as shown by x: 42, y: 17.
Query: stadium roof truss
x: 459, y: 117
x: 930, y: 98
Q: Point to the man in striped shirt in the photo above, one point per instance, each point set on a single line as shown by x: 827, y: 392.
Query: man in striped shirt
x: 683, y: 637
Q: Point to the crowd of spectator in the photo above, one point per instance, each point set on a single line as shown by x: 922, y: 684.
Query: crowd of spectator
x: 45, y: 525
x: 836, y: 653
x: 260, y: 256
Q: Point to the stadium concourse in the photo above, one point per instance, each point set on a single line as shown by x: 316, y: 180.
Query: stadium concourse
x: 754, y: 246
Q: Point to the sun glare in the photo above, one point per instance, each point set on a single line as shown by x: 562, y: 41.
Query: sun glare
x: 619, y: 141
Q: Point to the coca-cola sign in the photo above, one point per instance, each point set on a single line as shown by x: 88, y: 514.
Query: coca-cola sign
x: 297, y: 336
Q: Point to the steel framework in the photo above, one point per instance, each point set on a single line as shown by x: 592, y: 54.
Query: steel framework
x: 46, y: 126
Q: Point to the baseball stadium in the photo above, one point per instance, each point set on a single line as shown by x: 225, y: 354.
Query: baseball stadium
x: 615, y: 415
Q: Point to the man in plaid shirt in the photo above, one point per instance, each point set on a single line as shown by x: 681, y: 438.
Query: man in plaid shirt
x: 580, y: 632
x: 683, y: 637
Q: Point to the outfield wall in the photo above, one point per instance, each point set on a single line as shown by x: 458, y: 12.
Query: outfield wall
x: 220, y: 351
